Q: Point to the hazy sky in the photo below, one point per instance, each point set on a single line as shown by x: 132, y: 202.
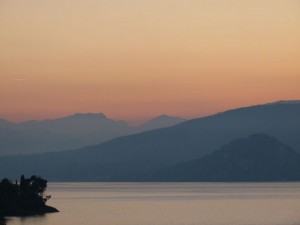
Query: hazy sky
x: 133, y: 59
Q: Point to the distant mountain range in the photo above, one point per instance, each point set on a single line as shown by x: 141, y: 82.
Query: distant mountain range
x: 284, y: 102
x: 129, y: 158
x: 258, y: 157
x: 69, y: 132
x: 161, y: 121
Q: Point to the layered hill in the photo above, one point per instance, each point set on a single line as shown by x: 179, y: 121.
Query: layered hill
x: 161, y: 121
x: 258, y: 157
x: 69, y: 132
x: 145, y: 152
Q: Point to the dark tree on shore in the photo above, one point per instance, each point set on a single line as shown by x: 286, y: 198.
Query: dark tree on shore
x: 25, y: 198
x: 2, y: 221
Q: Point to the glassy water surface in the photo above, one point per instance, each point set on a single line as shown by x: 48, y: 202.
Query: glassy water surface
x: 170, y: 204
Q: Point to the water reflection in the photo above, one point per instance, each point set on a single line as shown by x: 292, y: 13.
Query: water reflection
x: 171, y: 204
x: 33, y: 219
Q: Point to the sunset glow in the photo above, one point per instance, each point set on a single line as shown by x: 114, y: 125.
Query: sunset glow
x: 136, y: 59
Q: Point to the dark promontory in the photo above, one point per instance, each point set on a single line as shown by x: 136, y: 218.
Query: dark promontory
x: 24, y: 199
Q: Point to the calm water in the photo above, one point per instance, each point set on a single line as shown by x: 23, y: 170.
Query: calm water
x: 171, y: 204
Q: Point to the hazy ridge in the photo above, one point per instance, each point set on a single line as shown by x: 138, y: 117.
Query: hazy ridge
x: 74, y: 131
x: 129, y: 157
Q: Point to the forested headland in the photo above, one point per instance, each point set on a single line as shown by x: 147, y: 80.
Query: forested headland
x: 24, y: 198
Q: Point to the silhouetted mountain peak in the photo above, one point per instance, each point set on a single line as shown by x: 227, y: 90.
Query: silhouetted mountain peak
x: 5, y: 123
x: 88, y: 116
x: 163, y: 116
x: 151, y: 150
x: 284, y: 102
x: 72, y: 131
x: 257, y: 146
x: 258, y: 157
x: 161, y: 121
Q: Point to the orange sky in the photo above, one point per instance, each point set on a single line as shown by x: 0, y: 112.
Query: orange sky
x: 134, y: 59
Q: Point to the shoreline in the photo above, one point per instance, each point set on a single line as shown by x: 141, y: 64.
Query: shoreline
x: 46, y: 209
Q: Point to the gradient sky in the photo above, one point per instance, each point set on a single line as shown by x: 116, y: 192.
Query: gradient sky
x: 134, y: 59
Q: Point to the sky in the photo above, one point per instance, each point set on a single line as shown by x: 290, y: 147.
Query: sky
x: 135, y: 59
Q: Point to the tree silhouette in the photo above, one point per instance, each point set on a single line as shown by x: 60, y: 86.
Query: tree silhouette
x: 2, y: 221
x: 26, y: 198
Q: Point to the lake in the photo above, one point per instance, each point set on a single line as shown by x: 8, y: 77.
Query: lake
x: 170, y: 204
